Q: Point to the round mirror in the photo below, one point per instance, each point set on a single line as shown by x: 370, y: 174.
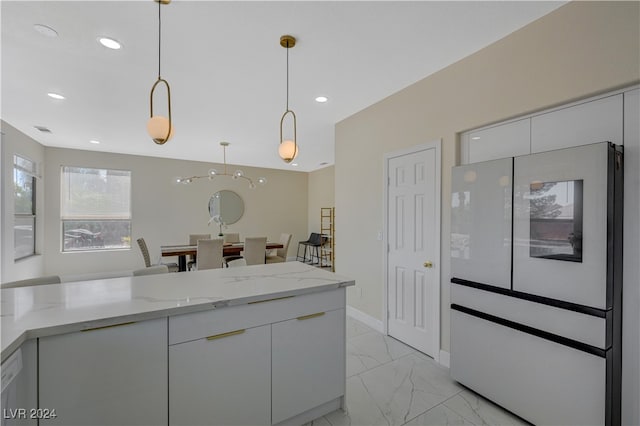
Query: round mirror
x: 226, y: 207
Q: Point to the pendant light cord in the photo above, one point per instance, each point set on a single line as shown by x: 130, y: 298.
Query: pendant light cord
x: 224, y: 158
x: 159, y: 36
x: 287, y: 75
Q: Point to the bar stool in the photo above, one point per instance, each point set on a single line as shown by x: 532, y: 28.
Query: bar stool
x: 315, y: 241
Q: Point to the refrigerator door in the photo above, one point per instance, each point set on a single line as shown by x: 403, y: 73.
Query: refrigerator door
x: 481, y: 222
x: 560, y: 224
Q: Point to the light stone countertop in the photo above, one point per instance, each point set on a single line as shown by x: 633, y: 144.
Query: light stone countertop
x: 45, y: 310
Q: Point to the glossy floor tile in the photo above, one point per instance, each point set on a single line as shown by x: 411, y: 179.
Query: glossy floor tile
x: 390, y: 383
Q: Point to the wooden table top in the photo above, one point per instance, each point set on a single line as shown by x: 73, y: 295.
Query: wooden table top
x: 228, y: 249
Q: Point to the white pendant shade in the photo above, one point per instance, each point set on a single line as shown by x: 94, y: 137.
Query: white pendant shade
x: 288, y: 151
x: 158, y: 127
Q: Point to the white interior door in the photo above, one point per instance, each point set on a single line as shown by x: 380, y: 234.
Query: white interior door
x: 413, y: 238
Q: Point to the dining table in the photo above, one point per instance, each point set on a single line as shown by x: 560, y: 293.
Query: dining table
x: 184, y: 250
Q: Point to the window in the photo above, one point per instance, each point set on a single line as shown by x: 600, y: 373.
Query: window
x: 95, y: 209
x: 24, y: 196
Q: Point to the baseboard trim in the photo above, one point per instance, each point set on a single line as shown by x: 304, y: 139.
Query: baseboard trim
x: 445, y: 358
x: 372, y: 322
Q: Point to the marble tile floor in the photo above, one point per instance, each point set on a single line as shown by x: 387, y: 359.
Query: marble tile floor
x: 392, y: 384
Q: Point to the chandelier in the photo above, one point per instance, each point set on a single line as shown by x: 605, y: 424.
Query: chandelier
x: 213, y: 173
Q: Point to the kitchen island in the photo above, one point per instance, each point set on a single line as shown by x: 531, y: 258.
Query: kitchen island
x: 262, y: 344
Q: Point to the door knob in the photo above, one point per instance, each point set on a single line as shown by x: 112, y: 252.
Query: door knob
x: 428, y: 264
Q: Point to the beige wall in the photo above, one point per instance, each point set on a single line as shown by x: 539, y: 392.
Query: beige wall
x: 579, y: 50
x: 15, y: 142
x: 321, y: 194
x: 165, y: 212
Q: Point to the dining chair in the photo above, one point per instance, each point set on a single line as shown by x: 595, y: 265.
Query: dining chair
x: 232, y: 237
x: 254, y: 253
x: 209, y: 254
x: 173, y: 267
x: 281, y: 253
x: 254, y: 250
x: 151, y: 270
x: 193, y: 240
x: 50, y: 279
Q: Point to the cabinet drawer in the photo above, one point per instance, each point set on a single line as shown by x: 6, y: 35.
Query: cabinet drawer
x: 183, y: 328
x: 222, y: 381
x: 542, y: 381
x: 573, y: 325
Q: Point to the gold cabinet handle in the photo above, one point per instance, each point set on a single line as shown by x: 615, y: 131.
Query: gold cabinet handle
x: 306, y: 317
x: 109, y: 326
x: 221, y: 335
x: 428, y: 264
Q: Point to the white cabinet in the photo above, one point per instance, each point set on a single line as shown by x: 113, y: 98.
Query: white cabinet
x: 590, y: 122
x: 281, y: 360
x: 581, y: 123
x: 308, y: 362
x: 502, y: 141
x: 113, y: 375
x: 481, y: 222
x: 631, y: 267
x: 224, y: 379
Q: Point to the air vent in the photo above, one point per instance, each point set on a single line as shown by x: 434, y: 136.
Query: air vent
x: 324, y: 163
x: 43, y: 129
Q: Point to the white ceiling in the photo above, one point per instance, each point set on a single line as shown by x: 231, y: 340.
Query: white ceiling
x: 227, y: 69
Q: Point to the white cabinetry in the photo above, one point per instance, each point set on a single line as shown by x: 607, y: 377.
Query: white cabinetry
x: 502, y: 141
x: 281, y: 360
x: 308, y: 362
x: 224, y: 379
x: 114, y: 375
x: 590, y: 122
x: 631, y: 267
x: 585, y: 122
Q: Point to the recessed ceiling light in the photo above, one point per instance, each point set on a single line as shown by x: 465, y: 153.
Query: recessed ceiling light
x: 95, y: 142
x: 55, y: 95
x: 322, y: 99
x: 294, y: 164
x: 45, y: 31
x: 109, y: 43
x: 475, y: 138
x: 43, y: 129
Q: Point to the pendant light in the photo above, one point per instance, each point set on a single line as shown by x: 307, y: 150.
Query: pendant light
x: 160, y: 128
x: 288, y: 149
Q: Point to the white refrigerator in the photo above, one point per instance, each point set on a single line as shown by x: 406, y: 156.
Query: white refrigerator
x: 536, y: 294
